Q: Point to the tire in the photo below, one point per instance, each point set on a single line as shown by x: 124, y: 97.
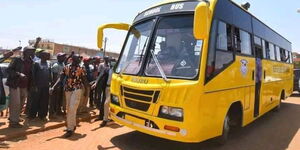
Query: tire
x: 221, y: 140
x: 277, y: 108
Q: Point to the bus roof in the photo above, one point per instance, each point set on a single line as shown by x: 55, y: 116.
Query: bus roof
x: 166, y: 7
x: 141, y: 15
x: 169, y: 1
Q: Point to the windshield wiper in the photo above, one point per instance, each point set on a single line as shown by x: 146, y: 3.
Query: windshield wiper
x: 163, y: 75
x: 122, y: 71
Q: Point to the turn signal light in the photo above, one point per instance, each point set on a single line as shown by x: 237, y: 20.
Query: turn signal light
x: 171, y: 128
x: 112, y: 110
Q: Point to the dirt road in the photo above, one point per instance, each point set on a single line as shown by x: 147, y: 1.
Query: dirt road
x: 274, y: 131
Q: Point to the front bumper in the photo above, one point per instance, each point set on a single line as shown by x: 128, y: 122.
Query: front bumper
x: 157, y: 130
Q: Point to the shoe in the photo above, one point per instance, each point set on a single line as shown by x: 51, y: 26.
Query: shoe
x: 21, y: 119
x: 103, y: 124
x: 17, y: 125
x: 65, y: 130
x: 52, y: 117
x: 98, y: 119
x: 68, y: 134
x: 60, y: 113
x: 44, y: 119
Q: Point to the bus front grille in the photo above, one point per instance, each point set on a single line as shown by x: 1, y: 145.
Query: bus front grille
x: 139, y: 99
x: 137, y: 105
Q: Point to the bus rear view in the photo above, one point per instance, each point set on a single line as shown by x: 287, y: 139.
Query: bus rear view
x: 172, y: 79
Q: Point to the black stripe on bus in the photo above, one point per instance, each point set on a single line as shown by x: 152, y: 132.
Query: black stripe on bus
x: 150, y: 93
x: 138, y: 97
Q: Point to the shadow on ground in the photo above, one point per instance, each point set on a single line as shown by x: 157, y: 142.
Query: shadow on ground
x: 274, y: 131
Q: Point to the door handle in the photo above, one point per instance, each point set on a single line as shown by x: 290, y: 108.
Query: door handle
x: 253, y: 74
x: 264, y: 74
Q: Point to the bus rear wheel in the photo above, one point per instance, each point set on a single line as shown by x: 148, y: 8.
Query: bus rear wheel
x: 282, y: 97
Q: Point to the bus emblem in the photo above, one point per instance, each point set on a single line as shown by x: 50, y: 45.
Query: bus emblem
x: 137, y: 80
x: 183, y: 63
x: 244, y: 67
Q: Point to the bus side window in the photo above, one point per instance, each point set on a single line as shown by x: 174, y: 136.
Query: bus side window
x: 267, y: 48
x: 224, y: 50
x: 210, y: 65
x: 224, y: 41
x: 291, y: 58
x: 283, y: 55
x: 243, y: 44
x: 272, y: 51
x: 237, y: 40
x: 287, y: 57
x: 278, y: 58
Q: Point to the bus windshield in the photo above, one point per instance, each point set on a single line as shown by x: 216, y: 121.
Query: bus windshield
x: 135, y: 48
x: 176, y: 49
x: 173, y: 45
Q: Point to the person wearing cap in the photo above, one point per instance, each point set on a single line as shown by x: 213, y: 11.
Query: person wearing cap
x: 57, y: 98
x: 41, y: 81
x: 19, y: 78
x: 84, y: 98
x: 38, y: 51
x: 75, y: 76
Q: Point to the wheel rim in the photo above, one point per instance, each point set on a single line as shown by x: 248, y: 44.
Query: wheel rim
x: 226, y: 124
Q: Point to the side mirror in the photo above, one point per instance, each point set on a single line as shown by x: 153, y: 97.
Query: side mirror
x: 201, y: 20
x: 118, y: 26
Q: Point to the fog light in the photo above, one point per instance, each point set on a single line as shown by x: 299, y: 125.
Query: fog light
x: 112, y: 110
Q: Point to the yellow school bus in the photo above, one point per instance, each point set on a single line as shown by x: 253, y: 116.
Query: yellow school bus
x: 192, y: 70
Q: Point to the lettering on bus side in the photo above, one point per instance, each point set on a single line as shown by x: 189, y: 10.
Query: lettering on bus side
x: 281, y: 69
x: 152, y: 11
x: 177, y: 6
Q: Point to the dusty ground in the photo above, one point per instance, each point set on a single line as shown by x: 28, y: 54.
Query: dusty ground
x: 274, y: 131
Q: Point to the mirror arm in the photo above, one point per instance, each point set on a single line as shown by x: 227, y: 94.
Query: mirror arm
x: 118, y: 26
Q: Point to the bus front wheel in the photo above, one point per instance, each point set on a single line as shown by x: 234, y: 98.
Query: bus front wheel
x: 221, y: 140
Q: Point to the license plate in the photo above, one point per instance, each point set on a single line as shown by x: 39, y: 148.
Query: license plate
x: 135, y: 120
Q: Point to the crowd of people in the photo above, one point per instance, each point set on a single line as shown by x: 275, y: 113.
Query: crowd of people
x: 64, y: 88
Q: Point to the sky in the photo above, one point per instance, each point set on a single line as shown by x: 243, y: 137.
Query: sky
x: 75, y: 22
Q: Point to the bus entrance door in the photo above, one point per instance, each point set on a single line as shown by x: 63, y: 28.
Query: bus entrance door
x: 258, y: 77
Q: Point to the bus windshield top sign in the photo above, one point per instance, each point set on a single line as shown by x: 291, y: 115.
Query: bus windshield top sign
x: 168, y: 8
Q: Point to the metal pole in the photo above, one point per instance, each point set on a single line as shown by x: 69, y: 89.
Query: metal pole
x: 105, y: 41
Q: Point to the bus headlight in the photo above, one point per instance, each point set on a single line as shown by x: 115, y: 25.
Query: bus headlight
x: 171, y: 113
x: 115, y: 100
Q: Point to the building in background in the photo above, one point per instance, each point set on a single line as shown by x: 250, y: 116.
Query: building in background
x: 53, y: 48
